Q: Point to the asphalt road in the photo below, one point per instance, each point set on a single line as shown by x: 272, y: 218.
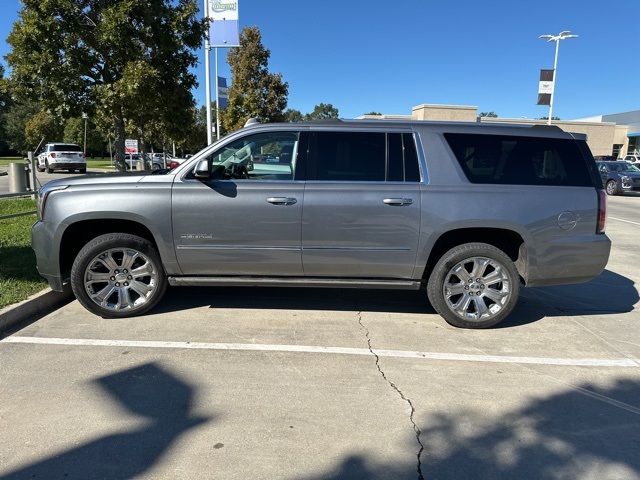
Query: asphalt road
x: 43, y: 178
x: 227, y: 383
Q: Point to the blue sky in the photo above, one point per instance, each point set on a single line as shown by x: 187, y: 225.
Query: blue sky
x: 388, y: 56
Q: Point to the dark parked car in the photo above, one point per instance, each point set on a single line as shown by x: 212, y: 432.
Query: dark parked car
x: 619, y: 177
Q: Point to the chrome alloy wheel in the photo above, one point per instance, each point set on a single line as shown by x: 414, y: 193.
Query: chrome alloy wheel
x: 120, y: 279
x: 477, y: 288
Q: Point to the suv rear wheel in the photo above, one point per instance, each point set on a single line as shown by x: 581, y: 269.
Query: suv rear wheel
x: 474, y: 285
x: 118, y: 275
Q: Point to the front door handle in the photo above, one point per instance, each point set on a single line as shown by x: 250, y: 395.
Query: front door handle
x: 282, y: 200
x: 398, y: 202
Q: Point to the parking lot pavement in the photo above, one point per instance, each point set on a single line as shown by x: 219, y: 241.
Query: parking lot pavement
x: 313, y: 384
x: 45, y: 177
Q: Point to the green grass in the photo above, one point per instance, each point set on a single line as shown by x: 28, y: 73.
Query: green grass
x: 97, y: 162
x: 5, y: 161
x: 18, y: 275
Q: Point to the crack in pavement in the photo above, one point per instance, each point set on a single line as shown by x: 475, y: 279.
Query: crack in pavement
x: 416, y: 429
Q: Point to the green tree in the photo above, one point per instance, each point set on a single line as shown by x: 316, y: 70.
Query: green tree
x: 42, y: 127
x: 322, y: 111
x: 5, y: 102
x: 546, y: 117
x: 126, y: 63
x: 74, y: 133
x: 255, y: 92
x: 293, y: 115
x: 15, y: 122
x: 374, y: 113
x: 488, y: 114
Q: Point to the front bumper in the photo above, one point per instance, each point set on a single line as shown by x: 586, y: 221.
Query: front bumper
x: 45, y: 248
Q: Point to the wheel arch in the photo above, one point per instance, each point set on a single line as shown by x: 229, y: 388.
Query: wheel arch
x: 77, y: 234
x: 508, y: 240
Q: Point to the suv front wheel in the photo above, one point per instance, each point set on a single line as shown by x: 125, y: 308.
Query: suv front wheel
x: 474, y: 285
x: 118, y: 275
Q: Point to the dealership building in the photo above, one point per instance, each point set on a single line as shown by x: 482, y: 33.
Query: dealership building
x: 616, y: 134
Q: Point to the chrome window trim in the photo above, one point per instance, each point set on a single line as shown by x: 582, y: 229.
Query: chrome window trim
x: 422, y: 161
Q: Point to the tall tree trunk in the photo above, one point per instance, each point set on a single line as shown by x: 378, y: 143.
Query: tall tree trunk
x: 118, y: 144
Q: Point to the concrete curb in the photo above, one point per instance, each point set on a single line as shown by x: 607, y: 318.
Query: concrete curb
x: 36, y: 305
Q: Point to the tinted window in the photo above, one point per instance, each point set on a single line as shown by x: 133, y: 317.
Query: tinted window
x: 411, y: 168
x: 262, y: 156
x: 395, y: 162
x: 64, y: 148
x: 402, y: 160
x: 503, y: 159
x: 349, y: 156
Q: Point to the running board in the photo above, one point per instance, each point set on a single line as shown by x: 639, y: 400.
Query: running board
x: 293, y: 282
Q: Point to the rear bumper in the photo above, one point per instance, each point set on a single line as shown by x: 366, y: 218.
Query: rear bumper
x: 67, y: 165
x: 574, y: 260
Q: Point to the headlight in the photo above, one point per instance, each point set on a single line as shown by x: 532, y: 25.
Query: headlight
x: 43, y: 194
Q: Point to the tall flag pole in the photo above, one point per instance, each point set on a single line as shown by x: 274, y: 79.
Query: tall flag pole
x: 223, y: 34
x: 207, y: 75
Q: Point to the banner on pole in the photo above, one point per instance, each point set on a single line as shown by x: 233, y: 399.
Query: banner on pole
x: 130, y: 146
x: 223, y: 30
x: 545, y: 87
x: 223, y: 95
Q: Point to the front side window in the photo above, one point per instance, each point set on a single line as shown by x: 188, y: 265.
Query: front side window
x: 515, y: 160
x: 261, y: 156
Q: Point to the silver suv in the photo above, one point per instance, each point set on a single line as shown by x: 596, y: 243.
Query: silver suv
x: 466, y: 212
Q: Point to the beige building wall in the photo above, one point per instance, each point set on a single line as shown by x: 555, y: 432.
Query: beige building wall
x: 448, y: 113
x: 600, y: 135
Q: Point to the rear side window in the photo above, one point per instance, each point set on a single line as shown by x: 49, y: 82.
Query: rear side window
x: 364, y: 156
x: 349, y: 156
x: 514, y: 160
x: 402, y: 160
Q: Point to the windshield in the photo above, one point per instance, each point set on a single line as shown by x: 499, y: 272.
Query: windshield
x: 623, y: 167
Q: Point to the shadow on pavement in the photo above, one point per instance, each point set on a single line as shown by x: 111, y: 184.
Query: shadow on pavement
x: 148, y: 391
x: 587, y: 432
x: 608, y: 293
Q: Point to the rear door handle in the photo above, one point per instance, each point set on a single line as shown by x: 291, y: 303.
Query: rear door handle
x: 282, y: 200
x: 398, y: 202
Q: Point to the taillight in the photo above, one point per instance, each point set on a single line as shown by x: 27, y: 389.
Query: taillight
x: 602, y: 211
x: 52, y: 155
x: 173, y: 164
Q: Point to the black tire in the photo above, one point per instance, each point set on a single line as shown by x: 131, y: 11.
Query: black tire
x: 40, y: 169
x: 83, y: 170
x: 47, y: 168
x: 113, y: 241
x: 436, y: 283
x: 612, y: 187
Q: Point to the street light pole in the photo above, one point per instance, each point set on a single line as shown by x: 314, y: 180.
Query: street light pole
x: 86, y: 117
x: 555, y: 38
x: 207, y: 76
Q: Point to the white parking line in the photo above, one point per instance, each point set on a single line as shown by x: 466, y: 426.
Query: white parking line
x: 455, y: 357
x: 625, y: 221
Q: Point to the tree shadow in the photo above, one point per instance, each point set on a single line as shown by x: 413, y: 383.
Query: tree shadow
x: 586, y: 432
x: 148, y: 391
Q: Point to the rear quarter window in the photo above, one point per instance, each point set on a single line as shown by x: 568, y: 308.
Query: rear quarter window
x: 519, y: 160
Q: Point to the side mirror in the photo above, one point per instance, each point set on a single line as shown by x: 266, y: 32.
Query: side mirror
x: 202, y: 170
